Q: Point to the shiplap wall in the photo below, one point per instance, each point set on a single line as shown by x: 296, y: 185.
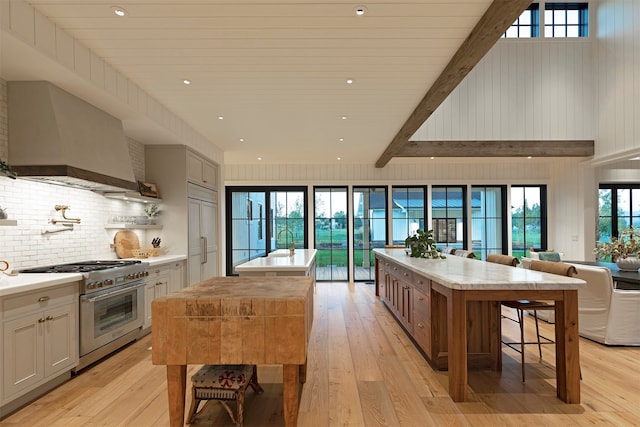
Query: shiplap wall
x: 617, y: 54
x: 521, y: 90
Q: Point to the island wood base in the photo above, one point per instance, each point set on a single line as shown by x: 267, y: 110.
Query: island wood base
x: 458, y: 329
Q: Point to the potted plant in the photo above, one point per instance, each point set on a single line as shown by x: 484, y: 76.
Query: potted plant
x: 152, y: 210
x: 421, y: 244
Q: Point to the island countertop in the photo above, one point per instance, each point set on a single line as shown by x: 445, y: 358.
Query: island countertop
x: 472, y: 274
x: 280, y: 260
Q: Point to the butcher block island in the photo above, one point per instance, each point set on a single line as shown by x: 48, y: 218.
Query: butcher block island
x: 234, y: 320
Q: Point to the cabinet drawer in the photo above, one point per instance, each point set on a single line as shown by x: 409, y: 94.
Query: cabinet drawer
x: 422, y: 284
x: 401, y: 273
x: 421, y: 304
x: 422, y: 332
x: 25, y: 303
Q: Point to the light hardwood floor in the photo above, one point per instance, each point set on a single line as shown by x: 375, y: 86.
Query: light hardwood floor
x: 363, y: 371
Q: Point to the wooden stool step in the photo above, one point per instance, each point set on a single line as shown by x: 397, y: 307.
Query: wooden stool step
x: 223, y: 383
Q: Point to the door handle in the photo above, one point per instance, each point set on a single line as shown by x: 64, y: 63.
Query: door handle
x: 203, y: 253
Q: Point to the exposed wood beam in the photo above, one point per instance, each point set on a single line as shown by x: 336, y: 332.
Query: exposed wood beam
x: 560, y: 148
x: 495, y: 21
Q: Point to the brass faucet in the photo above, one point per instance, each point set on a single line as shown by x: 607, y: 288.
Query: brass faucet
x: 292, y: 247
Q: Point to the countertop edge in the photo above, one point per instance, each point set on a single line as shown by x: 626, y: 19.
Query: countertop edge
x: 10, y: 285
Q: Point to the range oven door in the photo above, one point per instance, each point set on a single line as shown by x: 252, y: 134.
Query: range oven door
x: 107, y: 315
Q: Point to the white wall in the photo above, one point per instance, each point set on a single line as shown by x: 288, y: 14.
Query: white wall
x: 523, y: 89
x: 617, y: 55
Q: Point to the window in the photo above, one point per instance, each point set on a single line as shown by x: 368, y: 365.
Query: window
x: 448, y: 207
x: 407, y: 211
x: 526, y: 26
x: 528, y: 219
x: 255, y: 218
x: 619, y: 208
x: 488, y: 227
x: 566, y: 20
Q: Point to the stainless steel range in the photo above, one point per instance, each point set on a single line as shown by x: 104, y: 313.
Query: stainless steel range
x: 111, y: 304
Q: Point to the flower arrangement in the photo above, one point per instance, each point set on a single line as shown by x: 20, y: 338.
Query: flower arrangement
x: 421, y: 244
x: 628, y: 244
x: 152, y: 210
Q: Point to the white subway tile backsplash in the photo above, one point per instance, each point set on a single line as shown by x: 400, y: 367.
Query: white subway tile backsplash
x: 32, y: 205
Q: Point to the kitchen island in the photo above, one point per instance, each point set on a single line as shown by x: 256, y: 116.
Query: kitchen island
x: 451, y: 307
x: 281, y: 263
x: 234, y: 320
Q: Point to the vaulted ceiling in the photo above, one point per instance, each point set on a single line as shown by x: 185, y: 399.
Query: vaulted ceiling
x: 276, y: 72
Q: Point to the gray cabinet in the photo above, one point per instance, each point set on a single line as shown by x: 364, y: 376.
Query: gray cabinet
x: 39, y: 338
x: 163, y: 279
x: 203, y: 236
x: 188, y: 184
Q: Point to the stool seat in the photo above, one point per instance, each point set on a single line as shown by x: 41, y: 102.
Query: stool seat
x: 223, y: 383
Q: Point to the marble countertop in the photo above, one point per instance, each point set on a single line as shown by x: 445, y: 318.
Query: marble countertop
x: 280, y: 260
x: 472, y: 274
x: 10, y: 285
x: 159, y: 260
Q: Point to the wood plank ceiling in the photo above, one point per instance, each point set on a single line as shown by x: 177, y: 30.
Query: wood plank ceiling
x: 276, y: 72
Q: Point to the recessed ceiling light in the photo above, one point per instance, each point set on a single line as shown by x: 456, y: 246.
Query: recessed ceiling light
x: 432, y: 158
x: 241, y: 139
x: 339, y: 158
x: 360, y: 10
x: 186, y: 81
x: 120, y: 11
x: 259, y: 158
x: 528, y: 157
x: 349, y: 81
x: 344, y: 117
x: 220, y: 117
x: 341, y: 139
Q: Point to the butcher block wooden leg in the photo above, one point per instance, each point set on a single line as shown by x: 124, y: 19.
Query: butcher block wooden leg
x: 290, y: 392
x: 176, y: 387
x: 567, y: 348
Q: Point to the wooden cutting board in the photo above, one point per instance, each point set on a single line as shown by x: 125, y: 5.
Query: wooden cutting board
x: 124, y: 241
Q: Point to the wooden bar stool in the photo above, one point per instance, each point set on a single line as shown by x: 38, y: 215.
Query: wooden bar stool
x: 223, y: 383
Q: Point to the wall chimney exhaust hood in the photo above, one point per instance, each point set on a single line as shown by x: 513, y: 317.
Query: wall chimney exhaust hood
x: 58, y: 138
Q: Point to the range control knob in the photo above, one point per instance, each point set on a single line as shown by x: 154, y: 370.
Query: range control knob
x: 108, y: 282
x: 98, y: 284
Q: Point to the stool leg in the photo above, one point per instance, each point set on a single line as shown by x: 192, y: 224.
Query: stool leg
x: 194, y: 406
x: 240, y: 409
x: 253, y: 382
x: 521, y: 322
x: 535, y: 315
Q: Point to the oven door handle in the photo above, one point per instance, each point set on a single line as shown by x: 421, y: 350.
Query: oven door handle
x: 113, y: 294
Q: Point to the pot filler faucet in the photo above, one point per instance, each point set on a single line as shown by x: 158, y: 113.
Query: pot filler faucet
x: 292, y: 247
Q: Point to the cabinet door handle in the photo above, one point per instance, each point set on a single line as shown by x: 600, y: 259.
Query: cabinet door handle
x: 421, y: 298
x: 42, y: 320
x: 420, y: 325
x: 405, y: 274
x: 43, y: 299
x: 49, y: 318
x: 203, y: 253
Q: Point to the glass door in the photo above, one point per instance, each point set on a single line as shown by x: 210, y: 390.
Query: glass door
x: 330, y: 222
x: 369, y: 228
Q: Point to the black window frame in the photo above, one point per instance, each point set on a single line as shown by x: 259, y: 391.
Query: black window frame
x: 615, y: 217
x: 533, y: 28
x: 544, y: 242
x: 464, y: 208
x: 583, y: 18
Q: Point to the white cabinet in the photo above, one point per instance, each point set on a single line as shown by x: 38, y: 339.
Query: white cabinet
x: 201, y: 171
x: 203, y: 236
x: 39, y: 338
x: 162, y: 280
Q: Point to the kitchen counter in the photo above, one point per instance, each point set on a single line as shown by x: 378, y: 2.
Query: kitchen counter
x: 280, y: 263
x: 10, y: 285
x: 159, y: 260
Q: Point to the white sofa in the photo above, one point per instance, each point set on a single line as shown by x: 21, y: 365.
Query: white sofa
x: 607, y: 315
